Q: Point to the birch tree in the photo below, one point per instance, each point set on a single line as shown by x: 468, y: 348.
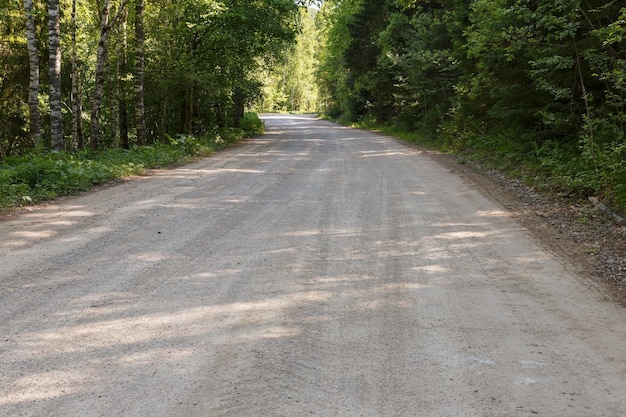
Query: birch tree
x: 140, y: 123
x: 121, y: 85
x: 77, y: 107
x: 54, y: 74
x: 33, y: 89
x: 98, y: 90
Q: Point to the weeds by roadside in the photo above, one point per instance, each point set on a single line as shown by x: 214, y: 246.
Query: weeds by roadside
x: 36, y: 178
x: 551, y: 168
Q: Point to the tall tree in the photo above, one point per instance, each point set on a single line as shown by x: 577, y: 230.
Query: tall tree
x: 33, y: 89
x: 54, y: 71
x: 333, y: 73
x: 101, y: 57
x: 77, y: 106
x: 140, y: 121
x: 121, y: 85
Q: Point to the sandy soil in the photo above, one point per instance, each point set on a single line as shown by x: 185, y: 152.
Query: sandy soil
x: 317, y: 270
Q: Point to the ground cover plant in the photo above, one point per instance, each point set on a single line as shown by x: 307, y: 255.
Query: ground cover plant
x: 37, y: 177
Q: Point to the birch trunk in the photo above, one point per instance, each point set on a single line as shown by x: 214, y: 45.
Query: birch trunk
x: 140, y: 122
x: 77, y: 105
x: 98, y: 92
x: 54, y: 42
x: 33, y: 88
x: 121, y: 83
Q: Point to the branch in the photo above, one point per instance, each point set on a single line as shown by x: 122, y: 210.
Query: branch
x: 119, y: 13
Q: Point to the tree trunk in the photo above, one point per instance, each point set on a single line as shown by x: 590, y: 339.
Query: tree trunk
x: 54, y: 42
x: 238, y: 106
x: 140, y: 122
x: 189, y: 111
x: 164, y: 118
x: 33, y: 88
x: 77, y: 105
x: 98, y: 90
x: 121, y: 94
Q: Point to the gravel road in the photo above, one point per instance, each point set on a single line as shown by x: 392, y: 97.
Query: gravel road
x: 317, y: 270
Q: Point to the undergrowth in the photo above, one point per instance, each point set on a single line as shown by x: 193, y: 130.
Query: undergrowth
x: 551, y: 167
x: 35, y: 178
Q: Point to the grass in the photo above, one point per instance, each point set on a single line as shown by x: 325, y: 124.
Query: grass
x: 38, y: 177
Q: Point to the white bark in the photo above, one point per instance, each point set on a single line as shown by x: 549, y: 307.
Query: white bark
x: 99, y: 83
x: 77, y: 107
x: 140, y: 123
x: 54, y: 71
x: 33, y: 88
x: 98, y: 93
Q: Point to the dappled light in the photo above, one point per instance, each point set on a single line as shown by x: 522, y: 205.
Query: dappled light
x: 284, y: 272
x: 130, y: 330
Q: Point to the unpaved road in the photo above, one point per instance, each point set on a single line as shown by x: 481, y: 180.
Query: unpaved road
x: 318, y: 271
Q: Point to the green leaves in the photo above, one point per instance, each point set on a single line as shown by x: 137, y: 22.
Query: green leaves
x: 34, y: 178
x: 504, y: 78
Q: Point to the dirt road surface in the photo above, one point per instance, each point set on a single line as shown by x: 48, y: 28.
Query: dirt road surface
x: 317, y: 270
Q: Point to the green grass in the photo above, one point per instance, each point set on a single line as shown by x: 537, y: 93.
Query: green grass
x: 36, y: 178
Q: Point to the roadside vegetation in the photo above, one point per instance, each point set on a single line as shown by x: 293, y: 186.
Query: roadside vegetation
x: 93, y: 91
x: 536, y: 89
x: 38, y: 177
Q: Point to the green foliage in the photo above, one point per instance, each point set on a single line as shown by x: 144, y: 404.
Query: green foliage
x: 205, y: 57
x: 34, y: 178
x: 202, y: 60
x: 290, y: 84
x: 534, y: 87
x: 252, y: 125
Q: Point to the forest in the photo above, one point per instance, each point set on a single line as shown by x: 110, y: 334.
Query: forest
x: 94, y: 90
x: 534, y: 87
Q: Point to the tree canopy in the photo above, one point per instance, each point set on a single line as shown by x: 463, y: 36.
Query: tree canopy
x: 542, y: 81
x: 122, y: 72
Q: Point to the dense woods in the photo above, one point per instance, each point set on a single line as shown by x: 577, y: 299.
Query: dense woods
x: 539, y: 83
x: 94, y: 91
x: 117, y: 73
x: 538, y: 86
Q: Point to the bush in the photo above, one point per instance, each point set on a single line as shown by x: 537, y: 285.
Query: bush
x: 34, y: 178
x: 252, y: 125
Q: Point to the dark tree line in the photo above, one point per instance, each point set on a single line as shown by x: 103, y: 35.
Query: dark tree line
x: 542, y: 79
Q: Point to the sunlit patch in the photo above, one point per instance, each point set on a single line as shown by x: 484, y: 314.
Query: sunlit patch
x: 527, y: 364
x: 492, y: 213
x: 44, y: 385
x: 71, y: 211
x: 231, y: 170
x: 271, y: 333
x: 463, y: 235
x: 148, y: 357
x: 211, y: 275
x: 61, y: 223
x: 186, y: 206
x: 152, y: 257
x: 432, y: 269
x: 303, y: 233
x: 40, y: 234
x: 370, y: 154
x: 458, y: 224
